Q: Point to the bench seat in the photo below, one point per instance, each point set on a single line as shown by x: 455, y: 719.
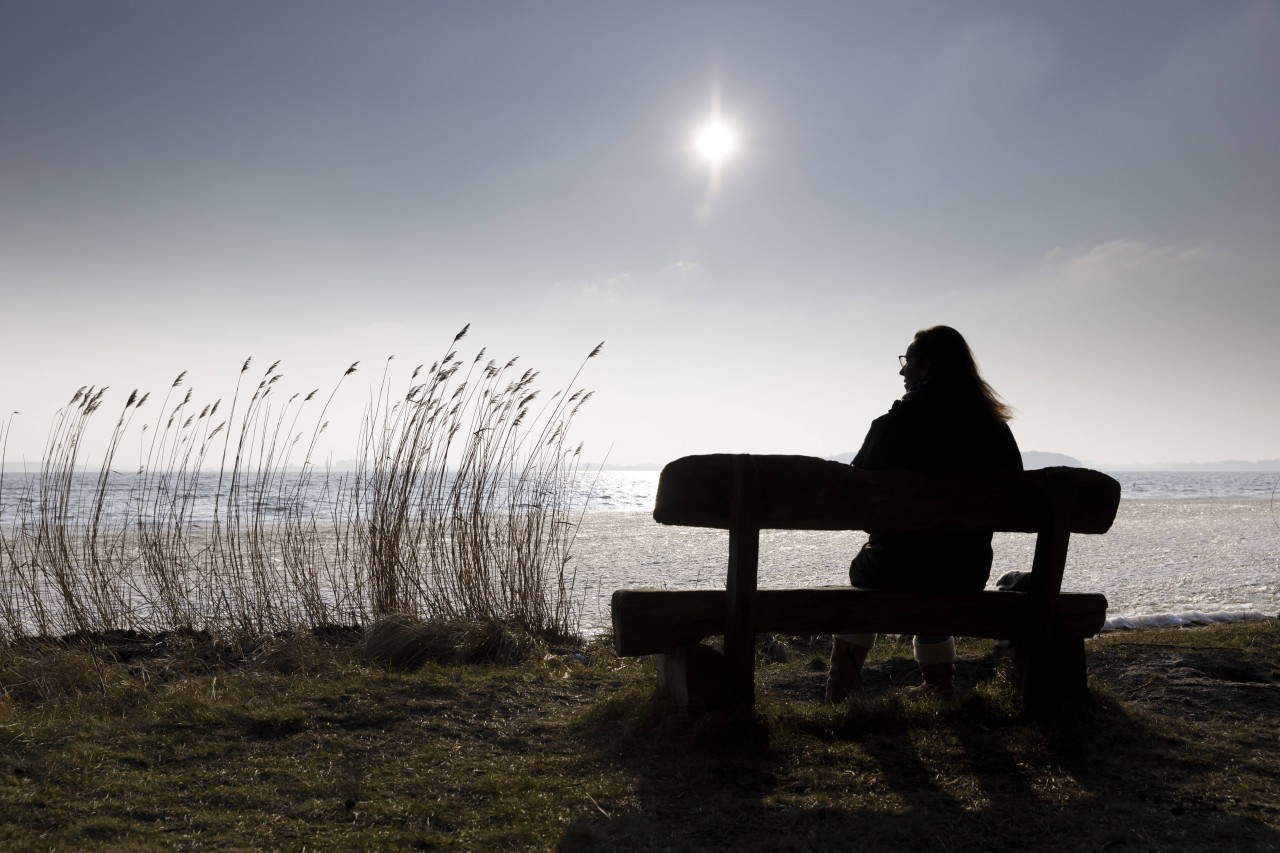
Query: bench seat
x: 658, y: 621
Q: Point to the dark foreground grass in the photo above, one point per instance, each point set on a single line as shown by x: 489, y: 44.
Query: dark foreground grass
x: 299, y: 743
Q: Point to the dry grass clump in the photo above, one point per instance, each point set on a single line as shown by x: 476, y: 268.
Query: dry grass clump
x: 458, y: 510
x: 286, y: 653
x: 111, y: 666
x: 43, y: 673
x: 403, y: 642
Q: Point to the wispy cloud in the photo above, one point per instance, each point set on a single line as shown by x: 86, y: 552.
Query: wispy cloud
x: 1117, y: 261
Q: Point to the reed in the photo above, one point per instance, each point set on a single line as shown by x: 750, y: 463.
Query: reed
x: 458, y: 509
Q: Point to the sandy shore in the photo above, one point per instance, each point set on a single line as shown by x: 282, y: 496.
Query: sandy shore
x: 1160, y: 557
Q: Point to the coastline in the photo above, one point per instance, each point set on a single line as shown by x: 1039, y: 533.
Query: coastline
x: 1164, y: 562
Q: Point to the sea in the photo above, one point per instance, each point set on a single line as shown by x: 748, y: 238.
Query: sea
x: 1186, y: 547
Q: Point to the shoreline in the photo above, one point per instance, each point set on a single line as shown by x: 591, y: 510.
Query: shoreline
x: 1165, y: 561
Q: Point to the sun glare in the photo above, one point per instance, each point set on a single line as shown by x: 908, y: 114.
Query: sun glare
x: 716, y: 142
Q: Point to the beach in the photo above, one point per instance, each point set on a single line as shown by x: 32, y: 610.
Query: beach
x: 1164, y: 562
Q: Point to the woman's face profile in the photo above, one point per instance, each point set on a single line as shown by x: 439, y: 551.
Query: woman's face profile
x: 913, y: 371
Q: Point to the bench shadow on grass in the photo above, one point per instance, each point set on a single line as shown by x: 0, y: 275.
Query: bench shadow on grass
x: 894, y: 772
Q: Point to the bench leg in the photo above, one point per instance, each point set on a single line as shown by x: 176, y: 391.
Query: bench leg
x: 695, y: 677
x: 673, y: 679
x: 1057, y: 672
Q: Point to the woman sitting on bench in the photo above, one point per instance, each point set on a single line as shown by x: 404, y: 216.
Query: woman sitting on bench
x: 950, y: 419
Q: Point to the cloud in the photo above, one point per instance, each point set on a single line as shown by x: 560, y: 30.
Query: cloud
x: 673, y: 281
x: 684, y: 267
x: 1116, y: 262
x: 614, y: 287
x: 1151, y: 347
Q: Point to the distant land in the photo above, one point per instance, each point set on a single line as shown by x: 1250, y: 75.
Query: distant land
x: 1221, y: 465
x: 1031, y: 459
x: 625, y: 466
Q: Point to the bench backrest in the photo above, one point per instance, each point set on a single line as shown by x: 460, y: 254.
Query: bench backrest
x: 806, y: 493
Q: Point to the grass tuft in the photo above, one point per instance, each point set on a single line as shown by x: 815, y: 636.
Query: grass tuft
x: 403, y: 642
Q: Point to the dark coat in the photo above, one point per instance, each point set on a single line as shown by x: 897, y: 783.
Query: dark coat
x: 932, y: 430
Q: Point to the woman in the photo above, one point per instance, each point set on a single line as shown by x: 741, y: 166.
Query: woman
x: 950, y: 419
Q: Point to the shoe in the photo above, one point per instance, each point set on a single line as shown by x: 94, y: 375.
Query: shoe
x: 939, y: 680
x: 846, y: 670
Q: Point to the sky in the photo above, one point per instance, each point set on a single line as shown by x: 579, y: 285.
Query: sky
x: 1088, y: 191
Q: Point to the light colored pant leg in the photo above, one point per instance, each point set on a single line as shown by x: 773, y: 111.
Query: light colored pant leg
x: 931, y: 653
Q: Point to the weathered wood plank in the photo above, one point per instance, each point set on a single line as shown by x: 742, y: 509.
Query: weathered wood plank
x: 696, y: 678
x: 806, y: 493
x: 673, y: 677
x: 655, y: 621
x: 1047, y: 568
x: 740, y: 586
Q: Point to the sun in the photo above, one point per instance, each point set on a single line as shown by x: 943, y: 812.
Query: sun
x: 716, y: 142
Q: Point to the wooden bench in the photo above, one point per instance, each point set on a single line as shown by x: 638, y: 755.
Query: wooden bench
x: 745, y: 494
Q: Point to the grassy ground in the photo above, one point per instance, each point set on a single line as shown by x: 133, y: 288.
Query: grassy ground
x: 300, y: 743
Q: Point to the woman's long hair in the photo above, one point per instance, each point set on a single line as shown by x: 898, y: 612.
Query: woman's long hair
x: 951, y: 366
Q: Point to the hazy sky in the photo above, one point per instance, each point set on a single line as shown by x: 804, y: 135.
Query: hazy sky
x: 1090, y: 191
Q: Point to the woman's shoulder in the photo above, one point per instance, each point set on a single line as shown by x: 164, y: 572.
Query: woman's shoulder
x: 924, y: 400
x: 933, y: 409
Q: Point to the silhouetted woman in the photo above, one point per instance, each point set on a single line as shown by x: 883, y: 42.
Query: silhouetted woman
x: 949, y: 420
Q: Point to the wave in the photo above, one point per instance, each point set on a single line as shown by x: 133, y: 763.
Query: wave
x: 1186, y: 617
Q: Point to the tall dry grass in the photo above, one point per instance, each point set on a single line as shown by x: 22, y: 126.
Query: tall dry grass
x: 458, y: 508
